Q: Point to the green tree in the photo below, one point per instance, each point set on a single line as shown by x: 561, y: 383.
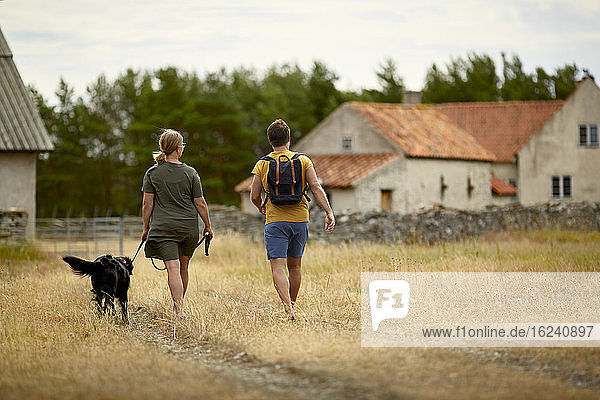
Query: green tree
x: 565, y: 80
x: 470, y: 79
x: 391, y: 84
x: 323, y: 94
x: 518, y: 85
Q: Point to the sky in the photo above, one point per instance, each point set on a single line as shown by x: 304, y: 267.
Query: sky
x: 79, y: 39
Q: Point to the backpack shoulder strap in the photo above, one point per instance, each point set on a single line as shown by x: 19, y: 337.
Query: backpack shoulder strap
x: 267, y: 158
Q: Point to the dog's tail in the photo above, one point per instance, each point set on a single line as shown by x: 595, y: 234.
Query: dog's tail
x: 81, y: 267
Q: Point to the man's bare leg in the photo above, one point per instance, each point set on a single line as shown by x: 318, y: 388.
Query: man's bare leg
x: 175, y: 285
x: 184, y: 262
x: 294, y: 265
x: 282, y: 285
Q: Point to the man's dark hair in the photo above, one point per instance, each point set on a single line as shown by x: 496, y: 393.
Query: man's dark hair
x: 278, y: 133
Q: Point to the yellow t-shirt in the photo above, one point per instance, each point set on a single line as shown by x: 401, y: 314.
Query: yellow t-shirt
x: 289, y: 213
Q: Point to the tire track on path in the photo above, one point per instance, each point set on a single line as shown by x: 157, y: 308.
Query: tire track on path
x: 242, y: 370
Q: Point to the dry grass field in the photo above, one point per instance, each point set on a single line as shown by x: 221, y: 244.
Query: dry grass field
x: 235, y: 343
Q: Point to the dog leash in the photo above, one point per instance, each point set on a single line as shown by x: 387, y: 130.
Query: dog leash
x: 205, y: 239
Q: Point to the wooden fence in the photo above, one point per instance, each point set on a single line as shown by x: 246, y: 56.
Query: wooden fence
x: 86, y: 237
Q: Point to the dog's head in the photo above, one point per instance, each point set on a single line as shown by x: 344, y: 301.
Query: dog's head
x: 126, y: 262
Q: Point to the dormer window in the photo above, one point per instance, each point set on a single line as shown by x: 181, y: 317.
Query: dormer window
x: 347, y: 143
x: 588, y: 135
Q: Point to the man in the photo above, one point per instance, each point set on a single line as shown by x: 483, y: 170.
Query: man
x: 286, y: 226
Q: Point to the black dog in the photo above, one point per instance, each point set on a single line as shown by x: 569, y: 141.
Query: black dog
x: 110, y: 279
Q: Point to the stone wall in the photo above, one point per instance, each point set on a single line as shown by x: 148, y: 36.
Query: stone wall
x: 13, y: 225
x: 429, y: 226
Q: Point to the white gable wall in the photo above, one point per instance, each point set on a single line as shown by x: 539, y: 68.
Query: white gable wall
x: 17, y: 185
x: 555, y: 150
x: 326, y: 138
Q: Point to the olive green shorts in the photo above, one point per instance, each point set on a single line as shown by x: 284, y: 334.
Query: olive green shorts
x: 170, y: 249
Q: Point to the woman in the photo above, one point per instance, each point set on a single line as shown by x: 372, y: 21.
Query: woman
x: 172, y: 201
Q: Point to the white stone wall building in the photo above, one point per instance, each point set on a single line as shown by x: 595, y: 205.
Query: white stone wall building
x: 22, y: 136
x: 547, y: 149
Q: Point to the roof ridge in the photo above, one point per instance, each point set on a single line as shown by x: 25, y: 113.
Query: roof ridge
x: 492, y: 103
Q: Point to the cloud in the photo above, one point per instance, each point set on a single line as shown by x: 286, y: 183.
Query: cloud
x: 81, y: 39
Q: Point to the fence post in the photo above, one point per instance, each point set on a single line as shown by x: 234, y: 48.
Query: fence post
x: 87, y: 237
x: 94, y: 236
x: 121, y: 234
x: 68, y: 235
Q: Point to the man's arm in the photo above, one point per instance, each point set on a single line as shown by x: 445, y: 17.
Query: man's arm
x: 320, y: 197
x: 147, y: 205
x: 202, y: 208
x: 255, y: 191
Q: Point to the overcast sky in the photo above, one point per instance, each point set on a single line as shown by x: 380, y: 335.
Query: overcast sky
x: 79, y: 39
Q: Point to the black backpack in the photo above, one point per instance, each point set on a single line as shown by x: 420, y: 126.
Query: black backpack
x: 284, y: 179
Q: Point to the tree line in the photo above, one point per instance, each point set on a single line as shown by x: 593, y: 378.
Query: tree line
x: 105, y: 138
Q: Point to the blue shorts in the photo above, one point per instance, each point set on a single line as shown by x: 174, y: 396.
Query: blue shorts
x: 285, y: 239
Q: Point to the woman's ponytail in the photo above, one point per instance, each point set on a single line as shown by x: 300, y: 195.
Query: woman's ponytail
x: 159, y: 157
x: 168, y: 142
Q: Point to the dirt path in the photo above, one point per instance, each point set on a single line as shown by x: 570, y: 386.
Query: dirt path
x: 512, y: 358
x: 242, y: 370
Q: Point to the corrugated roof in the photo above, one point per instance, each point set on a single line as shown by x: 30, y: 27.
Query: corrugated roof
x: 21, y: 127
x: 340, y: 170
x: 422, y: 131
x: 4, y: 49
x: 501, y: 127
x: 502, y: 188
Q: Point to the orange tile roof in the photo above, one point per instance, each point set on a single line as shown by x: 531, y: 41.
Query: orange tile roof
x: 347, y: 169
x: 340, y: 170
x: 501, y: 127
x: 501, y: 187
x: 422, y: 131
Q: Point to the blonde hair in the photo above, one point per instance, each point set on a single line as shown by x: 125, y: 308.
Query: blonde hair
x: 168, y: 142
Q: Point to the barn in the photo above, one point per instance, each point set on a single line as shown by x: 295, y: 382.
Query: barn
x: 22, y: 137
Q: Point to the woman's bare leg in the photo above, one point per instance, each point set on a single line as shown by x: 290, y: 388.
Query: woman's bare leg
x: 175, y: 285
x: 184, y: 262
x: 282, y: 285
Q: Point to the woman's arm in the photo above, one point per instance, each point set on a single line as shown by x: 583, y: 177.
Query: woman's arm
x: 202, y: 208
x: 147, y: 205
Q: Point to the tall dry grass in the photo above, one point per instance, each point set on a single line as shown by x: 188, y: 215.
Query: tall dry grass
x: 51, y: 335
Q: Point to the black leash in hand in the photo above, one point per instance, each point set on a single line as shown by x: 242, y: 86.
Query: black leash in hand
x: 205, y: 239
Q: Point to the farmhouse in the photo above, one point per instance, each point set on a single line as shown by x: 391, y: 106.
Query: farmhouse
x: 395, y: 157
x: 548, y: 149
x: 22, y: 136
x: 402, y: 158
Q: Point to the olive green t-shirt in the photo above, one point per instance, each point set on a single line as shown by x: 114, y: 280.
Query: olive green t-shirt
x: 174, y: 215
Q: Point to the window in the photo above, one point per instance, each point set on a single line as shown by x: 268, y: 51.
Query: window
x: 561, y: 187
x: 588, y: 135
x: 470, y: 187
x: 347, y: 143
x: 386, y: 200
x: 443, y: 188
